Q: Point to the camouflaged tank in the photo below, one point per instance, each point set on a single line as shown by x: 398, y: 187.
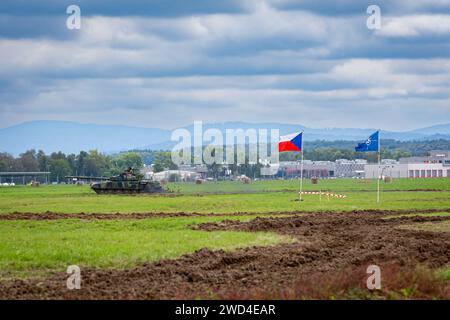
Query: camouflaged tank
x: 127, y: 182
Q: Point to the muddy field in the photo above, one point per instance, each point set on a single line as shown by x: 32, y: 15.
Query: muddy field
x: 49, y: 215
x: 329, y: 256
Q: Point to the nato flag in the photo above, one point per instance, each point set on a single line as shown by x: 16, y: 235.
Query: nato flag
x: 370, y: 144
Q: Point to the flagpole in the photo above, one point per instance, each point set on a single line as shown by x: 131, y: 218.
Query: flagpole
x: 301, y: 171
x: 379, y: 162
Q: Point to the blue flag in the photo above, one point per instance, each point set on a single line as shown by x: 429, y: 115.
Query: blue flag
x: 371, y: 144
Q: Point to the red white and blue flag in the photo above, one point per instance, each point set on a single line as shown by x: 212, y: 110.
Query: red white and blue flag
x: 291, y: 142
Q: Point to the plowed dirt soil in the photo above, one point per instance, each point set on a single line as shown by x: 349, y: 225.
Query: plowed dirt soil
x: 326, y: 244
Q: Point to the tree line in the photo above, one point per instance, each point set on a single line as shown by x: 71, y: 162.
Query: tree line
x: 95, y: 163
x: 92, y: 163
x: 321, y: 150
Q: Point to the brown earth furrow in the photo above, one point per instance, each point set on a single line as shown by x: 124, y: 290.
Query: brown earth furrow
x: 326, y: 244
x: 49, y: 215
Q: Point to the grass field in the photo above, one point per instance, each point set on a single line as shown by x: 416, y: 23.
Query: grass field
x: 30, y: 248
x: 335, y: 185
x: 266, y: 196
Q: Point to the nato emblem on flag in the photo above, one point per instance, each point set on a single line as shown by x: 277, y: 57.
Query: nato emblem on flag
x: 371, y: 144
x: 291, y: 142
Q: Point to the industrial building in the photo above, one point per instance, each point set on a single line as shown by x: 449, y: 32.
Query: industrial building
x: 183, y: 173
x: 321, y: 169
x: 436, y: 165
x: 341, y: 168
x: 350, y: 168
x: 175, y: 175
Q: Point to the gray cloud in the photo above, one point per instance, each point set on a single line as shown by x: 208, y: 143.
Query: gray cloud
x: 315, y: 64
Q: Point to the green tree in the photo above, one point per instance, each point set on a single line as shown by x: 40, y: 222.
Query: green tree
x: 29, y: 161
x: 97, y: 164
x: 129, y: 159
x: 57, y: 155
x: 71, y: 160
x: 163, y: 161
x: 42, y: 159
x: 80, y: 163
x: 6, y: 162
x: 59, y: 168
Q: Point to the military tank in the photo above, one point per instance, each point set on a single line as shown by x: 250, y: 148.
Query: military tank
x: 128, y: 182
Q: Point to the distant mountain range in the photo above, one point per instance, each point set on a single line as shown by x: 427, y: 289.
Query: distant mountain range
x: 71, y: 137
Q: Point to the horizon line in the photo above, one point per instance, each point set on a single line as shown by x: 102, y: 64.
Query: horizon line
x: 219, y: 123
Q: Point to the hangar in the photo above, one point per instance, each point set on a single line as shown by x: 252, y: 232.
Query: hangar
x: 24, y: 177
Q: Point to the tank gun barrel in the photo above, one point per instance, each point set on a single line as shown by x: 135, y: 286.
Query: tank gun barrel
x: 86, y: 178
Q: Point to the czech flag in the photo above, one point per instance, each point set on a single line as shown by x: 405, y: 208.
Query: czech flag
x: 291, y: 142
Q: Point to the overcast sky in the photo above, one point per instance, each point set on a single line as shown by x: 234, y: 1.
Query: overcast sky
x: 166, y: 63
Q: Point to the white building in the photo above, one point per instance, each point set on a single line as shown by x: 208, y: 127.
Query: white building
x: 409, y: 170
x: 349, y: 168
x: 270, y: 170
x: 437, y: 165
x: 341, y: 168
x: 176, y: 175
